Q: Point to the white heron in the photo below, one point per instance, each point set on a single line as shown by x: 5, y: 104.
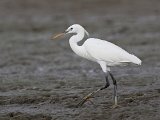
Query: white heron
x: 105, y: 53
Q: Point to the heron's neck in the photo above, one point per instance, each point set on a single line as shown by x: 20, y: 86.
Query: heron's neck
x: 73, y: 41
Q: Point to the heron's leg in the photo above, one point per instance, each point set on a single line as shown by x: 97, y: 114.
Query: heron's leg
x: 115, y: 90
x: 107, y: 82
x: 94, y: 92
x: 87, y: 97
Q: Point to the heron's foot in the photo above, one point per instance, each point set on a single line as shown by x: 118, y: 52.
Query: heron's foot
x: 85, y: 99
x: 115, y: 106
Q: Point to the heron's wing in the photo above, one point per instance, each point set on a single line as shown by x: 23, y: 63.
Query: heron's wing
x: 106, y: 51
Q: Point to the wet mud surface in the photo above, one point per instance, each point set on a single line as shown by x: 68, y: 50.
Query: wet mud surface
x: 42, y: 79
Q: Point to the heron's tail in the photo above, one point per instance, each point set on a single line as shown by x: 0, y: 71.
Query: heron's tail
x: 135, y: 60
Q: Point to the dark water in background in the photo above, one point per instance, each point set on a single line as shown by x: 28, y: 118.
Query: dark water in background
x: 43, y: 79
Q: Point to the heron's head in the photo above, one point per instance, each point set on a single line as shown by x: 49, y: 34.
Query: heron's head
x: 76, y: 28
x: 73, y: 29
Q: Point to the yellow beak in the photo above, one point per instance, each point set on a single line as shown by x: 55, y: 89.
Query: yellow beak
x: 57, y: 35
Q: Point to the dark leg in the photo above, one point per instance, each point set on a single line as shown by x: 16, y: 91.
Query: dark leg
x: 94, y: 92
x: 107, y: 82
x: 115, y: 89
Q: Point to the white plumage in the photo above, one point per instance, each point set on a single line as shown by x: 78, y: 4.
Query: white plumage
x: 108, y: 52
x: 99, y: 50
x: 105, y: 53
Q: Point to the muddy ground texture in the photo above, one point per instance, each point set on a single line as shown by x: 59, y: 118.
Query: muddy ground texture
x: 42, y: 79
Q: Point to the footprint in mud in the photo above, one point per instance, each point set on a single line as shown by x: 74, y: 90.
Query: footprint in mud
x: 132, y: 99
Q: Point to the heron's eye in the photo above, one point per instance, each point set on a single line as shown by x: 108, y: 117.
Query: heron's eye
x: 71, y: 28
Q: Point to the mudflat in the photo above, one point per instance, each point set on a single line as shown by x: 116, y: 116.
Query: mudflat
x: 42, y: 79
